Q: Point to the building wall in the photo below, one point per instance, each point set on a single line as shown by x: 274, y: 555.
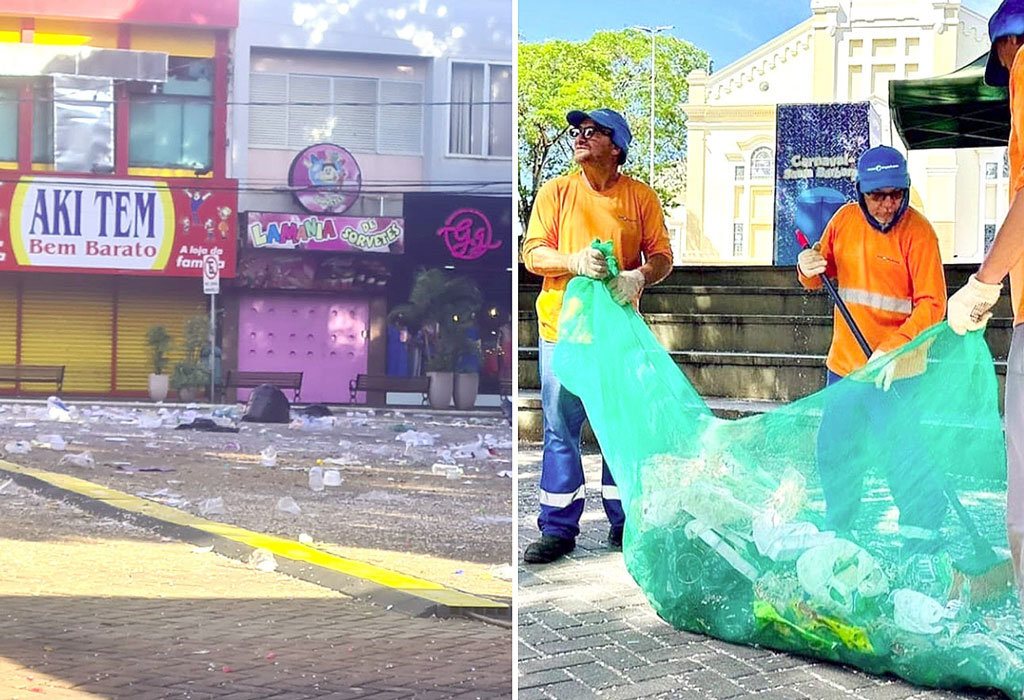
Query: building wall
x: 845, y: 52
x: 376, y: 38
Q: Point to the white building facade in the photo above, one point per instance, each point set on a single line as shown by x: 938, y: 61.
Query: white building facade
x: 847, y: 51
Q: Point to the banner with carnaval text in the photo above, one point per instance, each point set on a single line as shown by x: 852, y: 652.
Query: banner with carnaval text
x: 817, y: 145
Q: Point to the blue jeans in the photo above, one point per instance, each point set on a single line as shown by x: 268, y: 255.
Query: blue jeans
x: 561, y: 477
x: 917, y: 489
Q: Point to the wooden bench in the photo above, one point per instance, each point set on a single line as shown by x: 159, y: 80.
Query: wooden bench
x: 33, y: 374
x: 385, y: 383
x: 250, y: 380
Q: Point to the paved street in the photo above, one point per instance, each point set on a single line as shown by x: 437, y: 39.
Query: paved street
x: 95, y: 608
x: 585, y: 629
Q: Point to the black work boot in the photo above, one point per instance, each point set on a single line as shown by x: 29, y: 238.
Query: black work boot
x: 547, y: 549
x: 615, y: 537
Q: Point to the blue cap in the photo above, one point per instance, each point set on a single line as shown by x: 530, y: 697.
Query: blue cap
x: 609, y: 119
x: 1007, y: 20
x: 881, y: 167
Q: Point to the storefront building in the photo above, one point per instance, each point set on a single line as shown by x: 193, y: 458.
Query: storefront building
x: 364, y: 114
x: 112, y: 182
x: 472, y: 237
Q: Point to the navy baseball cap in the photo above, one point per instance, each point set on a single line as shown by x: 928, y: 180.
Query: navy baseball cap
x: 881, y: 167
x: 609, y: 119
x: 1007, y: 20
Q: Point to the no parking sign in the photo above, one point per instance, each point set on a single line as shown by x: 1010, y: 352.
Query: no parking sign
x: 211, y: 274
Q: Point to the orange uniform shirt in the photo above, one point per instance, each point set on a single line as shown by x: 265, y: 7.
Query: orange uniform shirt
x: 1016, y: 155
x: 568, y: 215
x: 892, y: 283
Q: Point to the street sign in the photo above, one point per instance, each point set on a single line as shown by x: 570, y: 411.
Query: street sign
x: 211, y: 274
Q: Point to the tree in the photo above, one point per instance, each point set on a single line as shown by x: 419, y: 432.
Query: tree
x: 611, y: 69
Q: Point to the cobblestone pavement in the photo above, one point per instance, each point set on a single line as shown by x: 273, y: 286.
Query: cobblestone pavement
x: 585, y: 629
x: 93, y: 608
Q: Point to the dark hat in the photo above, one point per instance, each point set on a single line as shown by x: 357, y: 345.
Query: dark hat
x: 1007, y: 20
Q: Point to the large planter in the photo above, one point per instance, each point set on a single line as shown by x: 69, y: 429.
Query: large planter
x: 187, y: 394
x: 467, y: 384
x: 159, y: 385
x: 441, y: 387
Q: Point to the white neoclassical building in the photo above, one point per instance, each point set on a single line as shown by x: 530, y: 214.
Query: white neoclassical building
x: 847, y: 51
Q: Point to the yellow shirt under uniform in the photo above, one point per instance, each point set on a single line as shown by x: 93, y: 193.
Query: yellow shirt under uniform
x: 892, y: 283
x: 568, y: 215
x: 1016, y: 156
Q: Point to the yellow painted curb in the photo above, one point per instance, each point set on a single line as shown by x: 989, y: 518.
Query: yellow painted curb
x: 279, y: 546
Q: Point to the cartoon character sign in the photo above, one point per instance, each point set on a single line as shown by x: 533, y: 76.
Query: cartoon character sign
x: 196, y: 199
x: 325, y: 179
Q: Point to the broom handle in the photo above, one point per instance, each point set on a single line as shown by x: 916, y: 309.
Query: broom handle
x: 840, y: 304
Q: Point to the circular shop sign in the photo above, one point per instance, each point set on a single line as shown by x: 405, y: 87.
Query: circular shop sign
x: 325, y: 179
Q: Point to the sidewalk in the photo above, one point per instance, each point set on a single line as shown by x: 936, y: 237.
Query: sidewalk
x: 585, y: 629
x: 95, y: 608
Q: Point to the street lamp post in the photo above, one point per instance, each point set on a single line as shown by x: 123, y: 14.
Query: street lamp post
x: 653, y: 31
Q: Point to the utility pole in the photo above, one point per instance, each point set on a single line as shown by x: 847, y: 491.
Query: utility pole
x: 653, y: 31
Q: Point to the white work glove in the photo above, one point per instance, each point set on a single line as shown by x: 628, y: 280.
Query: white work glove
x: 883, y: 380
x: 626, y: 286
x: 589, y: 262
x: 810, y: 261
x: 968, y: 309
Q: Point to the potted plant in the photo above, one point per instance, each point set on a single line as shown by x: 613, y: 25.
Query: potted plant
x: 159, y: 341
x: 467, y: 367
x: 442, y: 306
x: 190, y: 376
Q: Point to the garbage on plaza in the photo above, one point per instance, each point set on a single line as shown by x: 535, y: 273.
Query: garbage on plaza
x: 859, y: 525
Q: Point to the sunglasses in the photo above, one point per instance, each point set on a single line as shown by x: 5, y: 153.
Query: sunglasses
x: 588, y: 131
x: 896, y: 196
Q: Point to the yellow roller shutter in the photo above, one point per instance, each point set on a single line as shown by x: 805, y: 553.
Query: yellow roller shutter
x: 68, y: 320
x: 8, y: 323
x: 144, y: 302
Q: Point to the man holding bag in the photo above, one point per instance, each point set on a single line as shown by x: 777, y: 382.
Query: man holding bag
x: 569, y: 213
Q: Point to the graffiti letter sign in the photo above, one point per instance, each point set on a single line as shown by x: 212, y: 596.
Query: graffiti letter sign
x: 468, y: 234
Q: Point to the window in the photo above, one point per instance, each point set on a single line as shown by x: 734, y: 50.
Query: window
x: 738, y: 241
x: 994, y: 198
x: 739, y: 173
x: 761, y: 163
x: 172, y: 122
x: 480, y: 118
x: 364, y: 115
x: 9, y: 120
x: 42, y: 121
x: 990, y: 235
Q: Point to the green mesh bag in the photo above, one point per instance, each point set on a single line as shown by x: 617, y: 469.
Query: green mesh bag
x: 812, y: 528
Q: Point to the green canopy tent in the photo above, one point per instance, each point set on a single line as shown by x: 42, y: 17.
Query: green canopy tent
x: 957, y: 110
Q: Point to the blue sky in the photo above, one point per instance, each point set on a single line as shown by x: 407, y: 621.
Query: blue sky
x: 726, y: 29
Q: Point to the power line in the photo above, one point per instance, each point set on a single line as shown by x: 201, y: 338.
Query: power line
x: 377, y: 188
x: 178, y: 99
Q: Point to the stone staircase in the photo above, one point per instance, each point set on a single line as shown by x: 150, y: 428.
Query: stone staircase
x: 748, y: 337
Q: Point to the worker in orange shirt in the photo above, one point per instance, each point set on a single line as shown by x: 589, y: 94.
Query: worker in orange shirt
x: 969, y: 306
x: 885, y: 255
x: 569, y: 213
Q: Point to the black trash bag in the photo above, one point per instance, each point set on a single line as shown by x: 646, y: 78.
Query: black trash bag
x: 207, y: 426
x: 267, y: 404
x: 316, y: 410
